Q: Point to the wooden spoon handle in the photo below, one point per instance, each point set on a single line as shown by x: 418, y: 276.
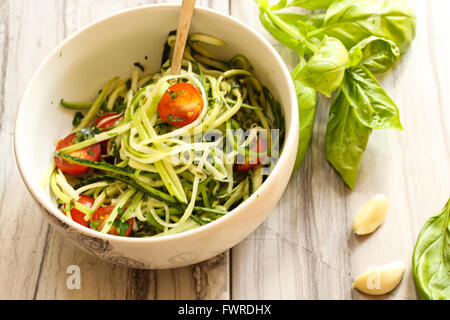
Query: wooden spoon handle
x: 187, y: 10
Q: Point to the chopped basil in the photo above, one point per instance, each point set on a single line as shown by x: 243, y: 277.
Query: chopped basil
x: 96, y: 130
x: 149, y: 82
x: 175, y: 95
x: 68, y: 207
x: 121, y: 226
x: 115, y: 150
x: 104, y: 107
x: 95, y: 225
x: 171, y: 118
x: 119, y: 106
x: 86, y: 133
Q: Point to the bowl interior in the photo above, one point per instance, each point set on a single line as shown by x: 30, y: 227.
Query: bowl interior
x: 84, y: 62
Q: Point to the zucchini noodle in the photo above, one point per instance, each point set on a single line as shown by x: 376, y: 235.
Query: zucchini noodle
x: 153, y: 177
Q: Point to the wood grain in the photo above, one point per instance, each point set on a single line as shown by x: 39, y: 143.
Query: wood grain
x: 306, y: 249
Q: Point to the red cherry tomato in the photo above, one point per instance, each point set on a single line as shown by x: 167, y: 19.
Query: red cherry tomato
x: 181, y: 105
x: 113, y: 117
x: 77, y: 215
x: 260, y: 147
x: 102, y: 214
x: 105, y: 124
x: 92, y: 153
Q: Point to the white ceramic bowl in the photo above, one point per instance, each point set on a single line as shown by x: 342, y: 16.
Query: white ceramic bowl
x: 81, y: 65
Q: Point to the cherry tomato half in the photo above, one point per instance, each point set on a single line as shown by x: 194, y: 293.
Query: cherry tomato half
x: 105, y: 122
x: 102, y: 214
x: 181, y: 105
x: 77, y: 215
x: 92, y: 153
x: 255, y: 161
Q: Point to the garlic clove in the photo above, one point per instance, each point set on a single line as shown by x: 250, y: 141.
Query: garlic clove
x: 371, y: 216
x: 380, y: 280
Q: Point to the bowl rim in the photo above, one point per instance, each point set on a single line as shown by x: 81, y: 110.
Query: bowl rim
x: 290, y: 138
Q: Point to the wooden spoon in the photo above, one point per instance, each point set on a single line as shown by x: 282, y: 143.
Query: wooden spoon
x: 187, y: 10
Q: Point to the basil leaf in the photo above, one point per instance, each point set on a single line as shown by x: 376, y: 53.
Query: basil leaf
x: 346, y: 139
x: 373, y: 107
x: 78, y: 117
x: 83, y: 135
x: 278, y: 33
x: 307, y: 104
x: 123, y: 227
x: 280, y: 5
x: 352, y: 21
x: 326, y: 68
x: 307, y: 4
x: 431, y: 258
x: 119, y: 105
x: 378, y: 55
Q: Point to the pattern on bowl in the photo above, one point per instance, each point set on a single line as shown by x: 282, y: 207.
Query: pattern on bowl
x: 96, y: 246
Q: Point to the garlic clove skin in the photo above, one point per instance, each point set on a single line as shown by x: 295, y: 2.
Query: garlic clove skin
x: 371, y: 216
x: 380, y: 280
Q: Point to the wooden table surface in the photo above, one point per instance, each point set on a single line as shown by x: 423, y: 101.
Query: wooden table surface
x: 305, y: 249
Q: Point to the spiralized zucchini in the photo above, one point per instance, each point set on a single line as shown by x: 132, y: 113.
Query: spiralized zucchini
x: 169, y: 179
